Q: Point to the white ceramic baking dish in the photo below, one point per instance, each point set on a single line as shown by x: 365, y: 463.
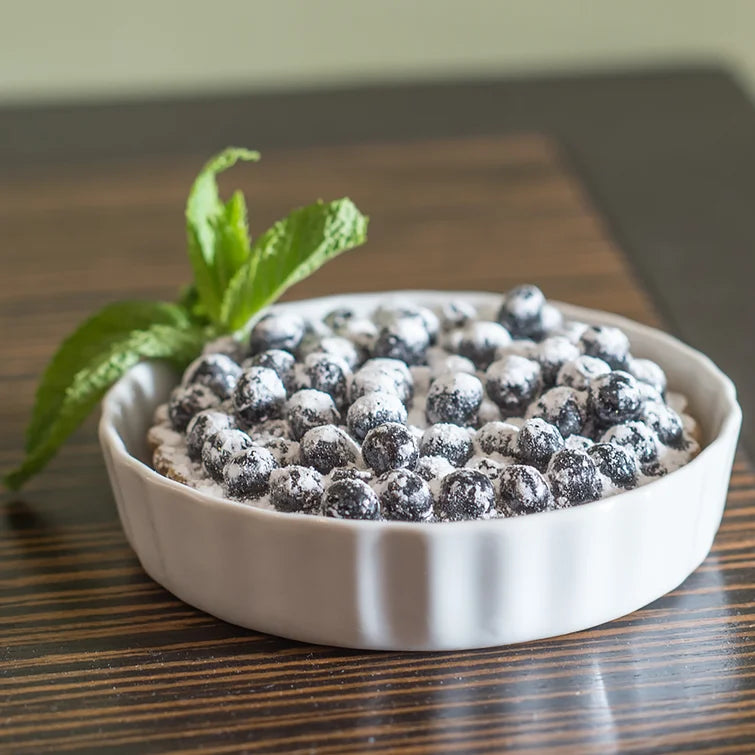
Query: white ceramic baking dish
x: 412, y: 586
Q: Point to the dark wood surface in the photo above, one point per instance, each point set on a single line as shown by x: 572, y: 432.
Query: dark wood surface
x: 669, y: 153
x: 95, y: 657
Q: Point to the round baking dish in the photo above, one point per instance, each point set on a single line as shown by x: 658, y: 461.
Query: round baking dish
x: 413, y: 586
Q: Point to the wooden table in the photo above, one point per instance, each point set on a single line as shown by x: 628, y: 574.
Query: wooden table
x: 95, y: 657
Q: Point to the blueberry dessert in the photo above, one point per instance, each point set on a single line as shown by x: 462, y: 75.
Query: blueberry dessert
x: 405, y: 413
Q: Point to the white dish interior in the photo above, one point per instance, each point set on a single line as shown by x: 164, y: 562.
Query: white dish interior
x: 393, y: 585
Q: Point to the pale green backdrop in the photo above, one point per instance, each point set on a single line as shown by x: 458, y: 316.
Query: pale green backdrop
x: 83, y: 49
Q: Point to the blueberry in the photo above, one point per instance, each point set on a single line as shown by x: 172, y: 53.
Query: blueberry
x: 465, y: 494
x: 406, y: 339
x: 480, y: 340
x: 382, y: 375
x: 573, y: 478
x: 606, y: 343
x: 277, y: 330
x: 372, y: 410
x: 513, y: 382
x: 326, y: 447
x: 247, y: 472
x: 279, y: 361
x: 579, y: 442
x: 654, y: 469
x: 454, y: 398
x: 491, y: 468
x: 201, y: 426
x: 615, y: 398
x: 329, y: 374
x: 309, y: 408
x: 524, y: 490
x: 361, y: 331
x: 387, y: 314
x: 537, y: 441
x: 335, y: 346
x: 579, y: 372
x: 296, y: 489
x: 284, y: 450
x: 636, y: 436
x: 648, y: 372
x: 563, y: 407
x: 551, y: 320
x: 217, y: 372
x: 616, y: 463
x: 521, y: 312
x: 218, y: 449
x: 390, y: 446
x: 433, y: 469
x: 449, y: 441
x: 552, y: 354
x: 497, y: 438
x: 441, y: 361
x: 187, y: 401
x: 405, y: 496
x: 664, y: 422
x: 456, y: 314
x: 350, y: 499
x: 259, y: 395
x: 226, y: 345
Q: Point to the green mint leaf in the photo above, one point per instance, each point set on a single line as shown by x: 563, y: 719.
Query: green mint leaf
x: 90, y: 339
x: 217, y: 233
x: 290, y: 251
x: 176, y: 343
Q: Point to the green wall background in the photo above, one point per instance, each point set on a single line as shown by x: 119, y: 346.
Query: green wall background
x: 88, y: 49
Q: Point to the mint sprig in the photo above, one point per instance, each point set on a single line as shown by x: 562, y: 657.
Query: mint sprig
x: 233, y: 280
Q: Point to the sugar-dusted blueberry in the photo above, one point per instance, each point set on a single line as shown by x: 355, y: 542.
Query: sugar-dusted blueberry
x: 187, y: 401
x: 497, y: 438
x: 390, y: 446
x: 246, y: 473
x: 406, y: 339
x: 201, y: 426
x: 654, y: 468
x: 664, y: 422
x: 390, y: 313
x: 456, y: 313
x: 339, y: 318
x: 648, y: 372
x: 277, y: 330
x: 329, y: 374
x: 616, y: 463
x: 374, y: 409
x: 326, y: 447
x: 552, y: 354
x: 216, y: 371
x: 279, y: 361
x: 336, y: 346
x: 309, y: 408
x: 521, y: 312
x: 227, y: 345
x: 296, y: 489
x: 551, y: 320
x: 563, y: 407
x: 634, y: 435
x: 537, y: 441
x: 218, y: 449
x: 441, y: 361
x: 454, y: 398
x: 449, y: 441
x: 491, y: 468
x: 433, y: 469
x: 573, y: 478
x: 580, y: 372
x: 465, y: 494
x: 523, y: 490
x: 284, y: 450
x: 513, y: 382
x: 382, y: 375
x: 259, y: 395
x: 607, y: 343
x: 580, y: 442
x: 350, y: 499
x: 404, y: 496
x: 615, y: 398
x: 480, y: 340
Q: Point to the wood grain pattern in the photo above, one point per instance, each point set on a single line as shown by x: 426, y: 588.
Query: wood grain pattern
x: 95, y: 657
